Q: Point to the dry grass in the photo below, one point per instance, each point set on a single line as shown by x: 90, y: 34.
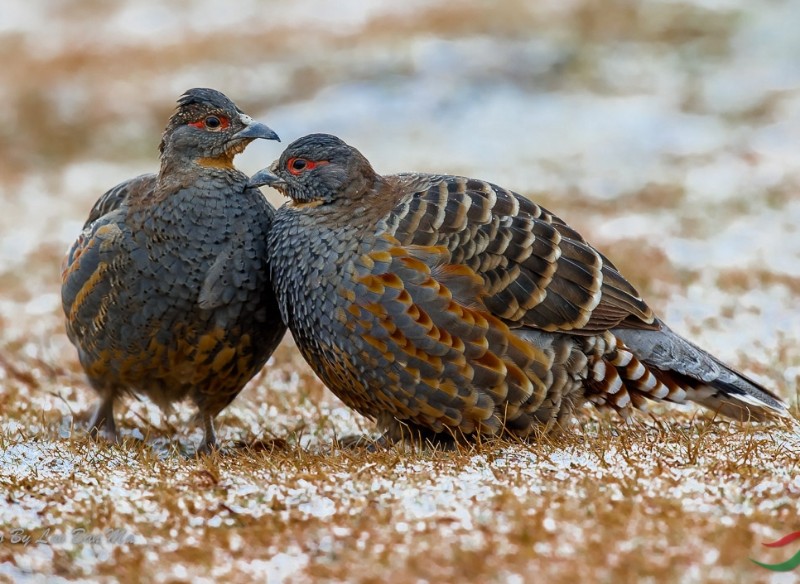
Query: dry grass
x: 668, y: 499
x: 675, y: 497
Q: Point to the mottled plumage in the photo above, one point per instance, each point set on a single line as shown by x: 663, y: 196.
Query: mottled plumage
x: 166, y: 292
x: 447, y: 305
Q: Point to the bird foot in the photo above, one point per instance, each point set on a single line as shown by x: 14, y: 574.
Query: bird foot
x: 102, y: 425
x: 365, y: 442
x: 210, y: 444
x: 208, y: 448
x: 105, y: 434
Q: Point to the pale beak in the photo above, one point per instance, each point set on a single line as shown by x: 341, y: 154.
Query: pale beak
x: 254, y: 129
x: 265, y: 178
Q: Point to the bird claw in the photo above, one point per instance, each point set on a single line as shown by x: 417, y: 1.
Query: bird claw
x: 105, y: 434
x: 208, y: 449
x: 102, y: 425
x: 365, y: 442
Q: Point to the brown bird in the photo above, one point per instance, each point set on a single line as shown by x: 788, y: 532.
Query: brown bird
x: 166, y: 292
x: 445, y: 306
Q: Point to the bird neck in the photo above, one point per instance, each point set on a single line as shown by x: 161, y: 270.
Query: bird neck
x: 195, y: 165
x: 363, y: 203
x: 177, y: 176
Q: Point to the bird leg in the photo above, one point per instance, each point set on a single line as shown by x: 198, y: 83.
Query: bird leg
x: 209, y: 435
x: 415, y: 436
x: 368, y: 443
x: 102, y: 422
x: 401, y: 434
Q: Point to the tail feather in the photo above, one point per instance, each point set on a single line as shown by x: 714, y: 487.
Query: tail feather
x: 705, y: 378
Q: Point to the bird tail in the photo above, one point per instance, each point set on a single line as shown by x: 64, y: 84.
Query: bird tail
x: 704, y: 378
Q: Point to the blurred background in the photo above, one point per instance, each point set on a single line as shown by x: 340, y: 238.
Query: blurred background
x: 666, y: 131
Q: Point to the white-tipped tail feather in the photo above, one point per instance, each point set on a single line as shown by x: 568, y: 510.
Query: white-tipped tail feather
x: 704, y: 378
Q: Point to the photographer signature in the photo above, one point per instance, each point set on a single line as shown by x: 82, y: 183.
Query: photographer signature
x: 78, y: 535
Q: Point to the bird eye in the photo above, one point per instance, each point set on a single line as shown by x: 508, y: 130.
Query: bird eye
x: 212, y: 123
x: 298, y: 165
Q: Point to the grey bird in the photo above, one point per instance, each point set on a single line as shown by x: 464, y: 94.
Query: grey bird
x: 446, y: 307
x: 166, y: 291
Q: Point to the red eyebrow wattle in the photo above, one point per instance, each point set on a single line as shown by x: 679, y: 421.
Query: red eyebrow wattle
x: 201, y: 124
x: 310, y: 164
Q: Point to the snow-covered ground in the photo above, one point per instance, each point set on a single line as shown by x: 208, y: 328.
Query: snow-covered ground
x: 587, y: 113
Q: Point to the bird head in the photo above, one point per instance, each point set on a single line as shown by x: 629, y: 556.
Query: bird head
x: 207, y: 128
x: 318, y: 168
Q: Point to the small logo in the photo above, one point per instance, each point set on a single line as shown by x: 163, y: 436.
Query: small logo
x: 789, y: 564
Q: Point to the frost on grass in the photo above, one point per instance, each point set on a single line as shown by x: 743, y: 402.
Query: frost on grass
x: 294, y: 512
x: 665, y: 132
